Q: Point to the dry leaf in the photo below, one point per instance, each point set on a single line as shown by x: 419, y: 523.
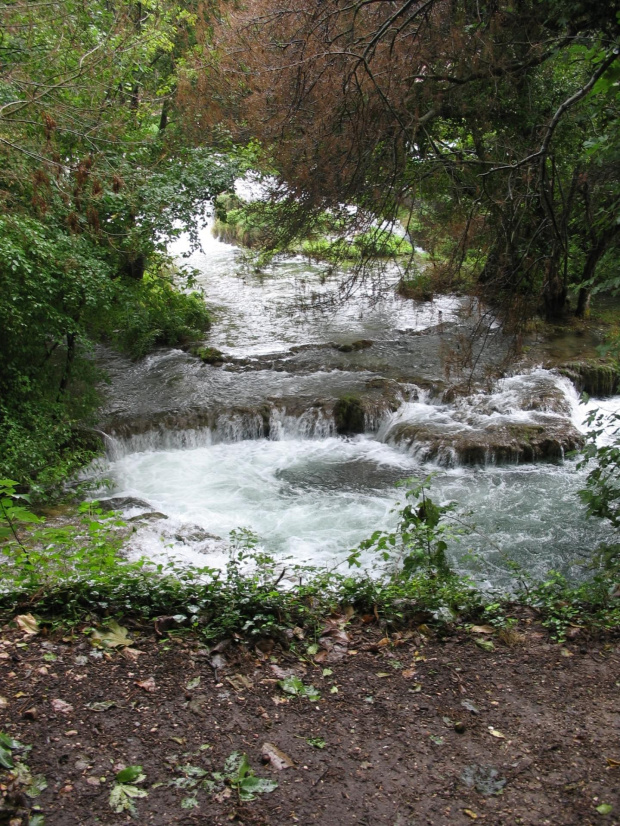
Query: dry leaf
x: 281, y: 673
x: 408, y: 673
x: 220, y: 797
x: 239, y: 682
x: 611, y: 763
x: 61, y: 707
x: 114, y: 636
x: 3, y: 702
x: 496, y: 733
x: 131, y: 654
x: 278, y: 759
x: 471, y: 814
x: 482, y: 629
x: 147, y: 685
x: 28, y: 623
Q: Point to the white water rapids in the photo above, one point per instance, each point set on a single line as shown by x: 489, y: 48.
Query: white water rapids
x: 308, y: 494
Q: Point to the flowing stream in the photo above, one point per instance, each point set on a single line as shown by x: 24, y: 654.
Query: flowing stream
x: 320, y: 407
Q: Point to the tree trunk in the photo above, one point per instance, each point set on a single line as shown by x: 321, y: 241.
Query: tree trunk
x: 583, y: 303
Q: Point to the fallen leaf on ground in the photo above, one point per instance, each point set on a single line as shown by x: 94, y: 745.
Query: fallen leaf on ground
x: 470, y: 706
x: 27, y: 623
x: 278, y: 759
x: 471, y: 814
x: 611, y: 763
x: 239, y: 682
x: 61, y: 707
x: 103, y: 705
x: 482, y: 629
x: 113, y: 636
x: 485, y: 779
x: 486, y: 645
x: 147, y: 685
x: 281, y: 673
x: 408, y: 673
x: 604, y: 809
x: 131, y: 654
x: 495, y: 733
x: 3, y: 702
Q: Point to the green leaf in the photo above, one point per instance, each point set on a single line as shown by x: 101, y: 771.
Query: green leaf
x: 37, y: 784
x: 189, y: 803
x: 604, y: 809
x: 7, y: 742
x: 6, y: 758
x: 122, y: 796
x: 130, y: 774
x: 250, y: 786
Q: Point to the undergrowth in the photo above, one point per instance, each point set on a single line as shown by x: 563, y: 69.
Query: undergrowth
x: 79, y: 573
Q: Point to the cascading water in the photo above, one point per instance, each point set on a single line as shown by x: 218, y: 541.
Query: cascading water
x: 254, y: 443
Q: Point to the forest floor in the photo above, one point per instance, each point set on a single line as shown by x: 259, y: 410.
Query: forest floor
x: 409, y: 729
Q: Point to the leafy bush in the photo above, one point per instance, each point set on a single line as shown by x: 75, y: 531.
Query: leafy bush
x: 151, y: 312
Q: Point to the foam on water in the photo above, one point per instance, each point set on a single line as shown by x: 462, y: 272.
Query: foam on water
x: 311, y: 500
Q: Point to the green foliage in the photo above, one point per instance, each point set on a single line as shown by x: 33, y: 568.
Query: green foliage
x: 296, y: 687
x: 152, y: 312
x: 79, y: 572
x: 602, y: 492
x: 260, y: 225
x: 242, y: 778
x: 419, y: 541
x: 125, y: 791
x: 561, y: 604
x: 96, y: 178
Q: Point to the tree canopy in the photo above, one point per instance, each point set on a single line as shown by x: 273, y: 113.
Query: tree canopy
x: 496, y: 121
x: 96, y: 175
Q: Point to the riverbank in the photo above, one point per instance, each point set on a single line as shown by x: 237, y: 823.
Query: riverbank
x: 418, y: 726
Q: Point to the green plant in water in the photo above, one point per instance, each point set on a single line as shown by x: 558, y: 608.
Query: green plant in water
x: 419, y: 540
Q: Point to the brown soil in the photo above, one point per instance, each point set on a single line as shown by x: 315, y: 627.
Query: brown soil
x: 414, y: 733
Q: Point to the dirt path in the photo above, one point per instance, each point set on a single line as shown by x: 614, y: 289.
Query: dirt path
x: 408, y: 730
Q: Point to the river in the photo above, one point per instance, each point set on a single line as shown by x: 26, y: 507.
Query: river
x: 321, y: 406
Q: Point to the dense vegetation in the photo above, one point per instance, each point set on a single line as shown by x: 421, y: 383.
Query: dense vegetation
x: 96, y: 174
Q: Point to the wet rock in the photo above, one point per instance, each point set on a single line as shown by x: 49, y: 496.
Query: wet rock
x: 596, y: 378
x: 349, y: 416
x: 152, y: 516
x: 195, y: 534
x: 122, y: 503
x: 505, y: 443
x: 354, y: 346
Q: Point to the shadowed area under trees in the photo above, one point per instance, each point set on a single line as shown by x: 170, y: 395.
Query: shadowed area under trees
x: 488, y: 129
